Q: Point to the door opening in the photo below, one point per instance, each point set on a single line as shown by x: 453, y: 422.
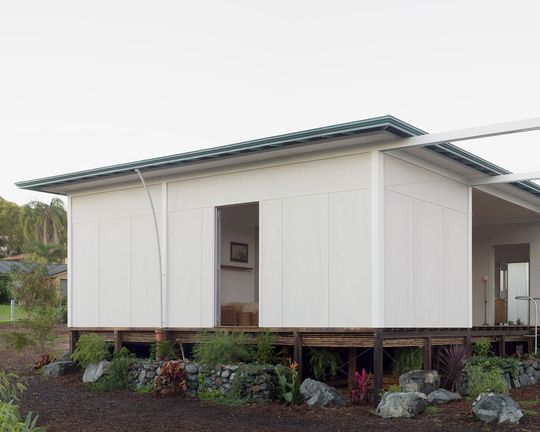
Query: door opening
x: 511, y: 281
x: 238, y: 265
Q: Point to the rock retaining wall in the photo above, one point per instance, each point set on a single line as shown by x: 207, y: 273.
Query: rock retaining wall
x: 255, y: 382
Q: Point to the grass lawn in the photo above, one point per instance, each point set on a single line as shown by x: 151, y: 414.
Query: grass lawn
x: 5, y: 313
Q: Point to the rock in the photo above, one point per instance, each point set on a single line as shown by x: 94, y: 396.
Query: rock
x: 531, y: 372
x: 316, y: 393
x: 65, y: 357
x: 225, y: 374
x: 408, y: 404
x: 150, y: 374
x: 95, y: 370
x: 58, y: 368
x: 524, y: 380
x: 441, y: 396
x: 423, y: 381
x: 508, y: 380
x: 191, y: 369
x: 495, y: 407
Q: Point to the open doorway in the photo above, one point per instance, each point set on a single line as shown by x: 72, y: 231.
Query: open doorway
x: 238, y: 269
x: 511, y: 281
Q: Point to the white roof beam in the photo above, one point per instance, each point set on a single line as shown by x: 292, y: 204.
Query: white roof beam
x: 504, y: 178
x: 464, y: 134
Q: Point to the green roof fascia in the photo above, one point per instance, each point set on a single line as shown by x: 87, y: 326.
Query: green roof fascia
x: 389, y: 123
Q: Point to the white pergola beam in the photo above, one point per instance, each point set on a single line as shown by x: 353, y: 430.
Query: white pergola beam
x: 504, y: 178
x: 464, y: 134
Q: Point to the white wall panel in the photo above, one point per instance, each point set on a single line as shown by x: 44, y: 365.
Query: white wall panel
x: 328, y: 175
x: 305, y: 261
x: 456, y: 301
x: 145, y: 283
x: 208, y: 267
x: 270, y: 311
x: 428, y: 264
x: 398, y: 260
x: 85, y: 277
x: 349, y: 297
x: 411, y: 180
x: 114, y: 204
x: 185, y: 272
x: 114, y: 272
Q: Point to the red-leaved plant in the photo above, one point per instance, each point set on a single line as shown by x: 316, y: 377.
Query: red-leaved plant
x: 362, y: 388
x: 172, y: 379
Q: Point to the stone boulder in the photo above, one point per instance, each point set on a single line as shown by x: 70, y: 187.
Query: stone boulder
x: 59, y: 368
x: 423, y: 381
x: 94, y: 371
x: 316, y: 393
x: 395, y: 405
x: 496, y: 407
x: 442, y: 396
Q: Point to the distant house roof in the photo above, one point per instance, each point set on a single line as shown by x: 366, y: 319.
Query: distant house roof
x: 385, y: 123
x: 52, y: 269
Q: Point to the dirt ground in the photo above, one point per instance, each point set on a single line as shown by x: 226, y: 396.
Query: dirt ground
x: 64, y: 404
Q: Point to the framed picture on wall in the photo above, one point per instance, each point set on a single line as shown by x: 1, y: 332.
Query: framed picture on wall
x: 239, y: 252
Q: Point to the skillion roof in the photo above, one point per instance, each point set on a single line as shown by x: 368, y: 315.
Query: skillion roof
x: 385, y: 123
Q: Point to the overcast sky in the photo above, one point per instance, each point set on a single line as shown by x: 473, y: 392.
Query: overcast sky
x: 94, y: 83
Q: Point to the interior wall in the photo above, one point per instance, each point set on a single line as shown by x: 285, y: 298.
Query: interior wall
x: 239, y: 224
x: 426, y: 244
x: 485, y: 238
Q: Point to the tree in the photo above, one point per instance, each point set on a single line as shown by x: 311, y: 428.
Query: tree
x: 37, y: 295
x: 46, y: 223
x: 11, y: 233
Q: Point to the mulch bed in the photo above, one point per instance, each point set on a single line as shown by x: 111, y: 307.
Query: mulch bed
x: 64, y: 404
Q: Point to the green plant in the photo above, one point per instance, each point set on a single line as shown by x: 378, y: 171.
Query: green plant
x: 432, y: 410
x: 323, y: 363
x: 11, y: 387
x: 452, y: 361
x: 494, y: 362
x: 116, y: 377
x: 519, y: 322
x: 406, y: 360
x: 5, y: 292
x: 36, y: 330
x: 481, y: 380
x: 145, y: 389
x: 164, y: 350
x: 221, y: 348
x: 482, y: 347
x: 393, y: 388
x: 90, y: 348
x: 264, y: 351
x: 511, y: 323
x: 172, y: 380
x: 289, y: 383
x: 32, y: 285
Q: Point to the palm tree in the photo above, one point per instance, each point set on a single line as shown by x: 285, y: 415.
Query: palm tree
x: 46, y: 223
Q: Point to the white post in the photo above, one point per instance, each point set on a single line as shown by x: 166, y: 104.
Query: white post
x: 528, y: 298
x: 12, y: 309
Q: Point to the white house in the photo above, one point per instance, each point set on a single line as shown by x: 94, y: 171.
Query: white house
x: 327, y: 228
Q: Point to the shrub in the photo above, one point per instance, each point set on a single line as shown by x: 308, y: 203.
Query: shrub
x: 116, y: 377
x: 482, y: 381
x: 36, y: 330
x: 452, y: 362
x: 10, y: 420
x: 362, y: 388
x: 5, y: 292
x: 324, y: 363
x: 493, y: 362
x: 10, y: 387
x: 289, y: 383
x: 90, y: 348
x: 165, y: 350
x: 221, y: 348
x: 172, y: 380
x: 406, y: 360
x: 482, y: 347
x: 264, y: 351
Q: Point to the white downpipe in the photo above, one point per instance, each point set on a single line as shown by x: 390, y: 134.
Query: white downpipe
x: 158, y: 241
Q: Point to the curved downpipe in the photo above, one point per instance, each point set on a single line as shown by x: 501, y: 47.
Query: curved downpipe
x: 158, y: 241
